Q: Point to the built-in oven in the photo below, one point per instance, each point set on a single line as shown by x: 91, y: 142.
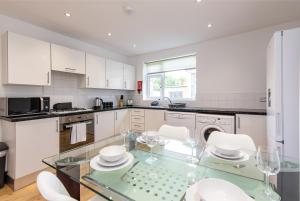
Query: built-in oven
x: 68, y: 131
x: 19, y: 106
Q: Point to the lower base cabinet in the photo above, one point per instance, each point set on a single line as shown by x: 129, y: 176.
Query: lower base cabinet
x: 253, y: 125
x: 104, y: 125
x: 29, y: 143
x: 154, y: 119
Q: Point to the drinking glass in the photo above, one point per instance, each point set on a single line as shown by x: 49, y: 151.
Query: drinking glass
x: 193, y: 143
x: 124, y: 134
x: 151, y: 141
x: 269, y: 164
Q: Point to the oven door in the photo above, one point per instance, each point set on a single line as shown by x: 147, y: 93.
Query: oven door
x: 66, y: 140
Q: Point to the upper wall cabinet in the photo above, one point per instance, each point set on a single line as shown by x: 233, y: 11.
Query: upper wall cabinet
x: 95, y: 72
x: 114, y: 75
x: 26, y: 60
x: 129, y: 77
x: 67, y: 60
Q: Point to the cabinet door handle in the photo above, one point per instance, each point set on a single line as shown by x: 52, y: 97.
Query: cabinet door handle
x: 57, y: 125
x: 70, y: 69
x: 88, y: 80
x: 97, y: 119
x: 116, y: 115
x: 107, y: 83
x: 125, y: 85
x: 239, y: 123
x: 164, y: 116
x: 48, y: 77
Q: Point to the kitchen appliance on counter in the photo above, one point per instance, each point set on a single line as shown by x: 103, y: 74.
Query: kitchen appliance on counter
x: 67, y: 123
x: 67, y: 108
x: 24, y: 106
x: 98, y: 103
x: 109, y: 104
x: 129, y: 102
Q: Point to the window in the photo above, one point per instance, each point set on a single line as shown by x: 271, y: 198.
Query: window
x: 172, y: 78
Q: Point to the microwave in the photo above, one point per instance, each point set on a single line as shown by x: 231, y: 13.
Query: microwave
x: 20, y: 106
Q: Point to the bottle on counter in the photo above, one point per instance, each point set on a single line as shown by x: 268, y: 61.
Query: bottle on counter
x: 121, y: 101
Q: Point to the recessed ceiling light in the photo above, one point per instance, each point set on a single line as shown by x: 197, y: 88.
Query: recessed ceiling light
x: 109, y: 34
x: 209, y: 25
x: 134, y: 45
x: 67, y: 14
x: 198, y: 1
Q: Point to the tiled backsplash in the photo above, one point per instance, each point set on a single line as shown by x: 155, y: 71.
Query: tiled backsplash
x: 249, y: 100
x: 65, y: 87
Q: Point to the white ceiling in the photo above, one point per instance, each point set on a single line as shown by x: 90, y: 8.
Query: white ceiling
x: 154, y: 24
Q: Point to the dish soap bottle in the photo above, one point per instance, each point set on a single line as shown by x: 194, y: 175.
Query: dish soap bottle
x: 121, y: 102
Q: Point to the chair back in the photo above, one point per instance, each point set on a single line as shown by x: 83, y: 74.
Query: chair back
x: 51, y: 187
x: 175, y: 132
x: 241, y: 140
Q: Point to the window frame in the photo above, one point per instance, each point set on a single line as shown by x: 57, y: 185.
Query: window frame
x: 162, y: 86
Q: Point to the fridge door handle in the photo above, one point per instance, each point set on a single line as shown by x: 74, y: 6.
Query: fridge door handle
x: 277, y: 119
x: 280, y: 141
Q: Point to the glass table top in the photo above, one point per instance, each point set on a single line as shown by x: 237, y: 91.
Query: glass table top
x: 166, y: 179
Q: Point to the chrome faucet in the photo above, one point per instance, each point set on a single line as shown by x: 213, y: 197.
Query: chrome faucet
x: 168, y: 99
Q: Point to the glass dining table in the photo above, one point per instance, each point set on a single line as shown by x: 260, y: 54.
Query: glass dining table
x: 165, y: 179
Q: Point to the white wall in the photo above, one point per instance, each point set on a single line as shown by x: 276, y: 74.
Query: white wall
x: 231, y: 71
x: 65, y: 87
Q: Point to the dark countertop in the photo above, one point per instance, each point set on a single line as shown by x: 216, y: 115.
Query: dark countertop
x: 221, y: 111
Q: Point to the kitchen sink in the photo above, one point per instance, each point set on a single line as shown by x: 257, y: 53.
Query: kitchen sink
x: 177, y: 105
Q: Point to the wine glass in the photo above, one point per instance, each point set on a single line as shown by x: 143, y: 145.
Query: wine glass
x: 269, y: 164
x: 193, y: 143
x: 151, y: 141
x: 124, y: 134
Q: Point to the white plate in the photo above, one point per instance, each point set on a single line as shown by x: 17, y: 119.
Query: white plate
x: 105, y: 163
x: 215, y: 190
x: 231, y: 157
x: 94, y: 164
x: 228, y: 150
x: 161, y: 140
x: 141, y: 140
x: 240, y: 158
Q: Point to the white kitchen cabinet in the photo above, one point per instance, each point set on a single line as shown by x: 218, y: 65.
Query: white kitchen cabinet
x: 95, y: 72
x: 137, y: 120
x: 121, y: 121
x: 114, y: 75
x: 129, y: 77
x: 104, y: 125
x: 254, y: 126
x: 185, y: 119
x: 26, y: 61
x: 29, y: 142
x: 67, y: 60
x: 154, y: 119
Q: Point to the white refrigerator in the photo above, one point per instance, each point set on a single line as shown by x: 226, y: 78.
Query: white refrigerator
x: 283, y: 63
x: 283, y: 59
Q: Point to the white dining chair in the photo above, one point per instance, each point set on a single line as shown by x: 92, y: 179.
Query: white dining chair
x: 175, y: 132
x: 52, y: 189
x: 241, y: 140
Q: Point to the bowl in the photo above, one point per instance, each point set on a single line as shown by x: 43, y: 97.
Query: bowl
x: 151, y: 134
x: 228, y: 150
x: 112, y: 153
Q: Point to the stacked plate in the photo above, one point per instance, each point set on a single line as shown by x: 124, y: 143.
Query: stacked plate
x: 142, y: 139
x: 111, y: 158
x: 227, y: 152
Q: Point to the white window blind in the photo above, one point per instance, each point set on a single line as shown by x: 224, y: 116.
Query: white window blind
x: 180, y: 63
